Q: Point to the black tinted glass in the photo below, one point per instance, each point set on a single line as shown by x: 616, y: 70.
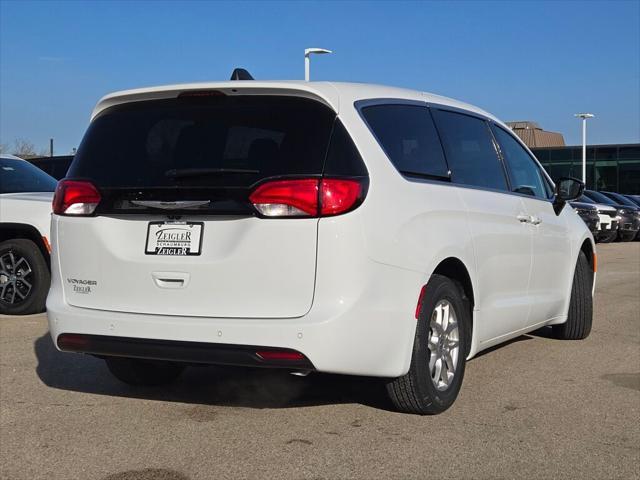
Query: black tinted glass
x: 343, y: 158
x: 408, y: 136
x: 621, y: 199
x: 18, y: 176
x: 211, y: 141
x: 525, y: 176
x: 599, y: 198
x: 471, y: 155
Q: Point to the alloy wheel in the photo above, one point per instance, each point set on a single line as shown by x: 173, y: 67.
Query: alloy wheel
x: 16, y: 278
x: 444, y: 345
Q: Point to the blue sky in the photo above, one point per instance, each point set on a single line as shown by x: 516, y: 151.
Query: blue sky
x: 541, y: 61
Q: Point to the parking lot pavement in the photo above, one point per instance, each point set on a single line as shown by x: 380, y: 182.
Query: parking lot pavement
x: 534, y: 408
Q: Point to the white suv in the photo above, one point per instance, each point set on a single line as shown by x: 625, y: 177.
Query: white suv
x: 345, y: 228
x: 25, y: 215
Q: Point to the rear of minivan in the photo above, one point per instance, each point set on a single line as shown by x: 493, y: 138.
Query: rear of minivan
x: 187, y: 229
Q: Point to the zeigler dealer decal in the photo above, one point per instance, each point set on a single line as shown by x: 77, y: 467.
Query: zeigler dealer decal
x: 174, y: 238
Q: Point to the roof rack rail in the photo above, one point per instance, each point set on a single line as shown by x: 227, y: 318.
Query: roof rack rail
x: 240, y: 74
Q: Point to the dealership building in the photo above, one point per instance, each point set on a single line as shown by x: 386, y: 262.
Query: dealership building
x: 614, y: 168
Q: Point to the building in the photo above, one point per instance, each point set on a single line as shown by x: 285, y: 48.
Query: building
x: 535, y: 137
x: 614, y: 168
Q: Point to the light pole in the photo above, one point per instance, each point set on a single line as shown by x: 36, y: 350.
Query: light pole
x: 584, y: 117
x: 307, y: 61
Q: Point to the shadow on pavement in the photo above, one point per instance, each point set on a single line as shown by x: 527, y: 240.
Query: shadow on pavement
x: 210, y: 385
x: 521, y: 338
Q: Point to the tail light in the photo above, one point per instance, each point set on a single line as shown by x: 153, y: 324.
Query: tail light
x: 75, y: 197
x: 307, y: 197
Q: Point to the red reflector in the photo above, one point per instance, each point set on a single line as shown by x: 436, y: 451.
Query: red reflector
x: 420, y: 300
x: 338, y: 195
x: 300, y: 196
x: 280, y: 355
x: 72, y: 341
x: 75, y: 197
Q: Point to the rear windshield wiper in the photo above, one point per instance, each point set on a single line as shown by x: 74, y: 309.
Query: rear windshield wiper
x: 196, y: 172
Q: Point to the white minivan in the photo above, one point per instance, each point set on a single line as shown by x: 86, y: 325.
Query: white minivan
x: 312, y: 226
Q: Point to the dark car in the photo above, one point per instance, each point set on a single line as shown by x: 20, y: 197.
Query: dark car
x: 589, y: 214
x: 623, y: 200
x: 629, y: 222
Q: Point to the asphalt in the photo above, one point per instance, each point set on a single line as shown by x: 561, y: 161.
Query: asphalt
x: 533, y: 408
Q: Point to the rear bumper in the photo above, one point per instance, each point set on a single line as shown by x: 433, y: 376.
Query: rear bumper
x: 366, y: 327
x: 187, y: 352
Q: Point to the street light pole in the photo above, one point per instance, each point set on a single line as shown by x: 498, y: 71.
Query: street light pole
x: 307, y: 60
x: 584, y: 117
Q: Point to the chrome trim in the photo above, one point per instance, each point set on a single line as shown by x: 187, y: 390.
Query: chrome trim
x: 177, y: 205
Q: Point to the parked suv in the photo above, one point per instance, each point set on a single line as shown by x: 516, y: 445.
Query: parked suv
x: 608, y: 216
x: 589, y: 214
x: 630, y: 204
x: 628, y: 220
x: 25, y: 216
x: 332, y: 227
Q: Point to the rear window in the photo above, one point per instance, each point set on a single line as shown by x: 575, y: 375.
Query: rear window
x: 18, y: 176
x: 409, y: 138
x: 222, y: 141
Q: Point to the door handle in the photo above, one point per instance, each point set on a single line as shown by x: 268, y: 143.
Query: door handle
x: 524, y: 218
x: 535, y: 220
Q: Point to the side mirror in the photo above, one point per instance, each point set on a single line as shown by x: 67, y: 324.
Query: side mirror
x: 567, y: 189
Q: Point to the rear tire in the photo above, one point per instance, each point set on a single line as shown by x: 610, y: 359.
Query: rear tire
x: 24, y: 278
x: 134, y: 371
x: 423, y: 390
x: 580, y: 318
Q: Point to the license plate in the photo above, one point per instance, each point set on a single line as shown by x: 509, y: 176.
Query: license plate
x: 174, y: 238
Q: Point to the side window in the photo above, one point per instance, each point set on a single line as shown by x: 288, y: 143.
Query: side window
x: 470, y: 150
x: 523, y: 172
x: 408, y: 136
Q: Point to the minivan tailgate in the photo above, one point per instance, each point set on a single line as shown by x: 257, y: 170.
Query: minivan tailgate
x: 247, y: 267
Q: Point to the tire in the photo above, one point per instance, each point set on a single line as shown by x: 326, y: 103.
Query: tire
x: 18, y: 256
x: 580, y: 318
x: 607, y: 238
x: 416, y: 392
x: 138, y: 372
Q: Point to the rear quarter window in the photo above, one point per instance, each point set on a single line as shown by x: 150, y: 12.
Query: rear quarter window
x: 409, y: 138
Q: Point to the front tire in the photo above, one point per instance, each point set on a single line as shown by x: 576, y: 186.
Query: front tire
x: 441, y: 344
x: 138, y: 372
x: 24, y: 278
x: 580, y: 318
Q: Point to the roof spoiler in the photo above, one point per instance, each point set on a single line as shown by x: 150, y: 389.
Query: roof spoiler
x: 241, y: 74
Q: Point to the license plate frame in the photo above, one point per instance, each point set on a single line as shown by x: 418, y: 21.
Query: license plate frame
x: 174, y: 238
